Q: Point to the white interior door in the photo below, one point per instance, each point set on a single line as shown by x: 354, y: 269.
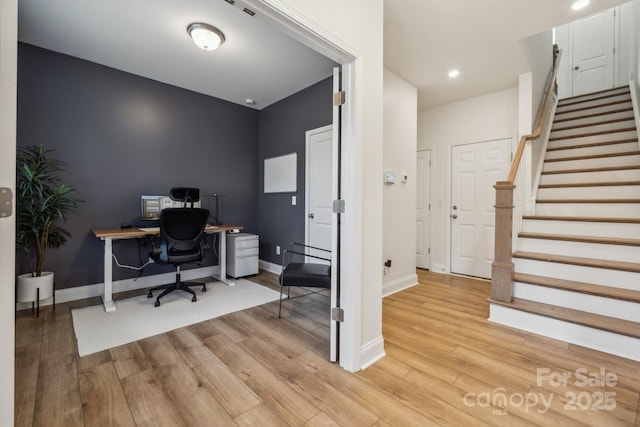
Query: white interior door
x: 475, y: 168
x: 423, y: 209
x: 593, y: 52
x: 319, y: 197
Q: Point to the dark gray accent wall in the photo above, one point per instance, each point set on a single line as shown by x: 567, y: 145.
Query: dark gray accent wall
x: 122, y: 136
x: 282, y: 131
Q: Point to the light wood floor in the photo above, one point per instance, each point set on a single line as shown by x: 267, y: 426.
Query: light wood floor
x: 445, y: 365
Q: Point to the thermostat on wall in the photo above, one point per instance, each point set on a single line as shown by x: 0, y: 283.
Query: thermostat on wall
x: 388, y: 177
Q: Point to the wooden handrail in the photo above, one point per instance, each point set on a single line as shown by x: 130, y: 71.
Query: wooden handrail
x: 502, y: 266
x: 540, y: 120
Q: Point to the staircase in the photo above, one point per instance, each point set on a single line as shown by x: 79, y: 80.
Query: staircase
x: 577, y: 260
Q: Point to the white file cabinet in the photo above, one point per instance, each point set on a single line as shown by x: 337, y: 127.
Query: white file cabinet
x: 242, y: 254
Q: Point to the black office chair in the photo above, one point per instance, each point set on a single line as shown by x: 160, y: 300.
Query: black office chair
x: 185, y: 195
x: 181, y: 242
x: 304, y: 274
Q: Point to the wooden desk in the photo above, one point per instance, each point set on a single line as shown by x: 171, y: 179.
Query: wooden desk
x: 111, y: 234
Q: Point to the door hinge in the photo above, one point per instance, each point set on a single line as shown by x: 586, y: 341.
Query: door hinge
x: 428, y: 250
x: 338, y: 206
x: 337, y: 314
x: 6, y: 206
x: 338, y: 98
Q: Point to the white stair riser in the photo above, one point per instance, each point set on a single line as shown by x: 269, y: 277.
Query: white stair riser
x: 578, y: 273
x: 592, y: 151
x: 600, y: 176
x: 607, y: 210
x: 596, y: 110
x: 579, y: 249
x: 607, y: 127
x: 622, y: 90
x: 562, y: 107
x: 605, y: 137
x: 578, y: 121
x: 578, y: 301
x: 597, y: 339
x: 600, y: 162
x: 572, y: 193
x: 579, y: 228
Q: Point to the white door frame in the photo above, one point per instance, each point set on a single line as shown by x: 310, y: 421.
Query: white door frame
x: 297, y: 26
x: 8, y: 102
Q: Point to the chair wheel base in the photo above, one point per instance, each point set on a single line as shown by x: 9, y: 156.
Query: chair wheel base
x: 194, y: 299
x: 149, y: 295
x: 157, y: 304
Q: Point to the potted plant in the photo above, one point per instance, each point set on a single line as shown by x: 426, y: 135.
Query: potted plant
x: 41, y: 203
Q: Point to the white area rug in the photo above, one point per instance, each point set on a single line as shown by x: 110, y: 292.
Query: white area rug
x: 137, y: 318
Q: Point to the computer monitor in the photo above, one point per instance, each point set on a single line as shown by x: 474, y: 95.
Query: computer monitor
x: 150, y: 207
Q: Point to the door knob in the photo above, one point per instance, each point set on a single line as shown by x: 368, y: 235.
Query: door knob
x: 310, y: 215
x: 577, y: 68
x: 454, y: 216
x: 455, y: 208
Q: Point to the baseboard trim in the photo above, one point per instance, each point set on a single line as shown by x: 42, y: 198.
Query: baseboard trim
x: 371, y: 352
x: 399, y: 285
x: 270, y: 267
x: 96, y: 289
x: 439, y: 268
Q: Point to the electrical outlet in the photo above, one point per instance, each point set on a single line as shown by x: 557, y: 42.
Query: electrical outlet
x: 277, y: 250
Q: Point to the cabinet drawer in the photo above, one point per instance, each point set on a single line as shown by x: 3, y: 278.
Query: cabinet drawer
x: 245, y: 252
x: 244, y: 243
x: 239, y: 267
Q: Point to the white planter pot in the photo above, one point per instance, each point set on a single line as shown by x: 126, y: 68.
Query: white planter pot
x: 28, y: 287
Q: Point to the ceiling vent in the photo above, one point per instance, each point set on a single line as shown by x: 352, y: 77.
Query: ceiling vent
x: 248, y: 11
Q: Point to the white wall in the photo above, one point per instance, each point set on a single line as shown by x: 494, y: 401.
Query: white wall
x: 399, y: 199
x: 485, y: 118
x: 635, y: 46
x: 565, y: 73
x: 539, y: 53
x: 8, y: 65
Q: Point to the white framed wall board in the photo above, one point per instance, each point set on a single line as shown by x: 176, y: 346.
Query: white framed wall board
x: 280, y: 174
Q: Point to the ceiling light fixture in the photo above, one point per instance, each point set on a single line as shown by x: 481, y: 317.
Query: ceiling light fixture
x: 205, y: 36
x: 454, y: 73
x: 580, y: 4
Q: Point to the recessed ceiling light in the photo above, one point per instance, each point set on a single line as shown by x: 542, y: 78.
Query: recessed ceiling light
x: 580, y: 4
x: 454, y: 73
x: 250, y: 101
